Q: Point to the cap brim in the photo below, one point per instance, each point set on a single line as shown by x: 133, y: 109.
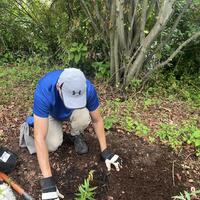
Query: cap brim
x: 74, y: 102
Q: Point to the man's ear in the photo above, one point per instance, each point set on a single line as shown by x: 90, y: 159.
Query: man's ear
x: 57, y: 86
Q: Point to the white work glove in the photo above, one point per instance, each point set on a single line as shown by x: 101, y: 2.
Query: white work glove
x: 49, y: 189
x: 111, y: 159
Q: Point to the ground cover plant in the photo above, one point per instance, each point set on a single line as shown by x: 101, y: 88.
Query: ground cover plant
x: 187, y: 195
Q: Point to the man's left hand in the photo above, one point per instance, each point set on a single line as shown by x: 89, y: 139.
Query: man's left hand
x: 111, y: 159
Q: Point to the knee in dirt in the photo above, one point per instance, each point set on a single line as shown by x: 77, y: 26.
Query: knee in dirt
x: 53, y: 146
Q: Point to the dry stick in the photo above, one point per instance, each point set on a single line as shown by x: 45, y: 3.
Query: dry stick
x: 163, y: 17
x: 88, y: 13
x: 101, y: 20
x: 160, y: 46
x: 132, y: 15
x: 173, y: 173
x: 143, y: 20
x: 120, y: 23
x: 196, y: 35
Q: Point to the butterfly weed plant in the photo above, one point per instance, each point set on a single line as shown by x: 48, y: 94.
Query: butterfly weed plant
x: 86, y: 191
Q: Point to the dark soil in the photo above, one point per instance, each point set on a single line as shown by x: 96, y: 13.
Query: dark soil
x: 146, y: 173
x: 150, y: 171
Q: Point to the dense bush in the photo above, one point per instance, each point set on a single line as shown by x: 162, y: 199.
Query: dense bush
x: 61, y: 32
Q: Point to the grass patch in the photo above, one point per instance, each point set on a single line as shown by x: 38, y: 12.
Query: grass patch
x: 18, y: 80
x: 120, y: 113
x: 186, y: 88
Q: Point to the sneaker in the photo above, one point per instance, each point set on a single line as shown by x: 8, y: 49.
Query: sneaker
x: 79, y: 143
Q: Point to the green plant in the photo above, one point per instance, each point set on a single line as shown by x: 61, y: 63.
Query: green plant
x: 110, y: 121
x: 112, y: 115
x: 135, y: 84
x: 187, y: 195
x: 141, y: 129
x: 150, y: 101
x: 170, y: 133
x: 86, y: 192
x: 128, y: 123
x: 77, y: 52
x: 195, y: 139
x: 175, y: 135
x: 102, y: 69
x: 22, y: 75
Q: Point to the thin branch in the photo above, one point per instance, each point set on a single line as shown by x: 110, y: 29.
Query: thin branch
x: 52, y: 3
x: 24, y: 10
x: 3, y: 42
x: 87, y: 12
x: 100, y: 18
x: 143, y: 20
x: 147, y: 76
x: 136, y: 37
x: 120, y: 22
x: 173, y: 179
x: 112, y: 33
x: 162, y: 19
x: 116, y: 57
x: 151, y: 7
x: 160, y: 46
x: 196, y: 35
x: 130, y: 6
x: 134, y: 16
x: 20, y: 3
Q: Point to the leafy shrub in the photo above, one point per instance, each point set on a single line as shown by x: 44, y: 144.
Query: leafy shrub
x: 101, y: 69
x: 176, y: 135
x: 110, y: 121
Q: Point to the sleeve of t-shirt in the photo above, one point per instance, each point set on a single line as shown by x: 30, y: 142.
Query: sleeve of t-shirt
x: 41, y: 105
x: 92, y: 100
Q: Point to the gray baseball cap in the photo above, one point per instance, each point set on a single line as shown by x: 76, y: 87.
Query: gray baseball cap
x: 72, y: 83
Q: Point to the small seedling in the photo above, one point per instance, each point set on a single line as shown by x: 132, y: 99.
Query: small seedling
x: 187, y: 195
x: 86, y: 192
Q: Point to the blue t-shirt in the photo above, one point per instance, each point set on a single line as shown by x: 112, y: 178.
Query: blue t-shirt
x: 47, y: 100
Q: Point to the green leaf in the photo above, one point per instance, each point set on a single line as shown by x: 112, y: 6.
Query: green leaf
x: 77, y: 58
x: 178, y: 197
x: 187, y: 195
x: 92, y: 189
x: 75, y: 44
x: 73, y: 49
x: 84, y: 48
x: 197, y: 143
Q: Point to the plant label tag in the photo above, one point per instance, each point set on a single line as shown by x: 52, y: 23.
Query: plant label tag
x: 5, y: 156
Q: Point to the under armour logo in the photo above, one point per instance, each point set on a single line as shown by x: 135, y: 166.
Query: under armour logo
x: 76, y: 93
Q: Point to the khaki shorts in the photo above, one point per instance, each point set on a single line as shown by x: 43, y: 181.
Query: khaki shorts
x: 79, y: 119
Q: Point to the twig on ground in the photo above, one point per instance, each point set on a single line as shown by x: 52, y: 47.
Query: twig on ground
x: 188, y: 156
x: 173, y: 173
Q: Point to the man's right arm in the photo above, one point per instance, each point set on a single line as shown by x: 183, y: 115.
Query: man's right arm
x: 40, y: 132
x: 49, y: 189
